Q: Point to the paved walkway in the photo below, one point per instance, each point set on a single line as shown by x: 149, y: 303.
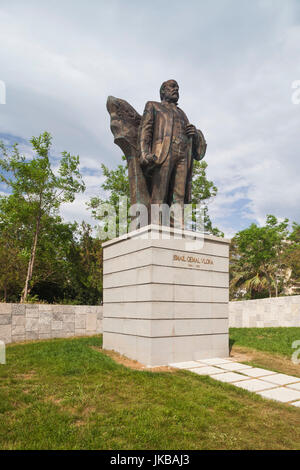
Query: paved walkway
x: 268, y: 384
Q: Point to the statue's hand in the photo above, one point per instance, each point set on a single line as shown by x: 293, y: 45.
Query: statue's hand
x: 190, y: 130
x: 149, y: 160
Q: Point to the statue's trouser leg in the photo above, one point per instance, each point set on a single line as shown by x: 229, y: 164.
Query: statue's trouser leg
x: 160, y: 186
x: 180, y: 176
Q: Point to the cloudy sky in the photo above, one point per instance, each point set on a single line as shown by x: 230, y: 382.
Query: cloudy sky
x: 235, y: 62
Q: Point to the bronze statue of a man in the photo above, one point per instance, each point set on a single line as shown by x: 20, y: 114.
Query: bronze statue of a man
x: 168, y: 145
x: 160, y: 147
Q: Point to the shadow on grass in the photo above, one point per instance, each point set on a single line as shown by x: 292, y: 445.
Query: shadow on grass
x: 231, y: 343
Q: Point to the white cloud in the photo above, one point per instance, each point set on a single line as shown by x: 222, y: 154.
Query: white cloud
x: 234, y: 61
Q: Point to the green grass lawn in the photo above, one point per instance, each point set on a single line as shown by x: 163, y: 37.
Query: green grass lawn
x: 63, y: 394
x: 272, y: 340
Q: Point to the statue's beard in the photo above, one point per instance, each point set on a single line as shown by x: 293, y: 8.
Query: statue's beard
x: 171, y: 99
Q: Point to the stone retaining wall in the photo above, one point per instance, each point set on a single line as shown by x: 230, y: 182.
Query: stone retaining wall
x: 20, y: 322
x: 271, y: 312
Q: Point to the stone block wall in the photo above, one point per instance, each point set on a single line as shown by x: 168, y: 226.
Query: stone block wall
x: 20, y: 322
x: 270, y: 312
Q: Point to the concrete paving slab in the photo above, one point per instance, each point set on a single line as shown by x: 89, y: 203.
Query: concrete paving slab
x: 206, y: 370
x: 234, y: 366
x: 282, y: 394
x: 295, y: 386
x: 258, y: 372
x: 186, y: 365
x: 267, y: 383
x: 282, y: 379
x: 215, y: 361
x: 254, y: 385
x: 229, y: 377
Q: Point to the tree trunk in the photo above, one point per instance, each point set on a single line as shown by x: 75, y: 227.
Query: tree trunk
x: 269, y: 280
x: 26, y: 289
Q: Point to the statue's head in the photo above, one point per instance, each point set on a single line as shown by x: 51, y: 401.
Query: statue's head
x: 169, y: 91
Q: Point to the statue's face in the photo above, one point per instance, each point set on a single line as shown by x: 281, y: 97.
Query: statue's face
x: 171, y: 91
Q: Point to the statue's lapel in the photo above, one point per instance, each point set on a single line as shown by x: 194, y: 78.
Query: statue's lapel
x: 168, y: 117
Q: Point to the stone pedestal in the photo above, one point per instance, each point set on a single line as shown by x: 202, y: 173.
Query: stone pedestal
x: 165, y: 296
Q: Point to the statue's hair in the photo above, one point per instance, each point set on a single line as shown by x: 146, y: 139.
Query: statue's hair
x: 162, y: 89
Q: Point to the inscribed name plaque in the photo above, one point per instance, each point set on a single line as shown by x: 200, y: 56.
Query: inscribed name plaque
x: 163, y: 301
x: 192, y: 261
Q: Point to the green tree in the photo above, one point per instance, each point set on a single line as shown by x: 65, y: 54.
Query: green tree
x: 84, y: 282
x: 115, y: 187
x: 69, y: 270
x: 13, y: 268
x: 36, y: 192
x: 246, y: 282
x: 53, y: 264
x: 204, y: 192
x: 257, y: 258
x: 291, y: 257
